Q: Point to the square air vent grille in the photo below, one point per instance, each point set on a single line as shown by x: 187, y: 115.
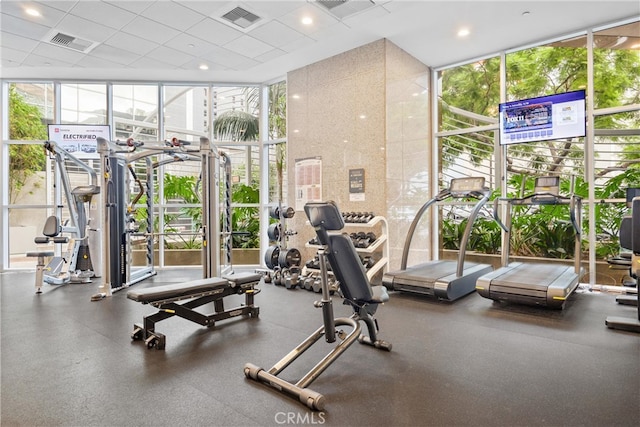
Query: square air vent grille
x: 68, y: 41
x: 344, y: 8
x: 241, y: 17
x: 330, y: 4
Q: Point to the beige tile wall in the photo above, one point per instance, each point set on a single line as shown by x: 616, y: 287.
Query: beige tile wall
x: 365, y: 108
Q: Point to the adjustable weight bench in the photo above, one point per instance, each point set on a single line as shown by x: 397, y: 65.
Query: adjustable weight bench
x: 198, y: 293
x: 338, y: 249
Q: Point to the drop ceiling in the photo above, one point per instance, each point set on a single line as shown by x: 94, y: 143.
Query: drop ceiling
x: 258, y: 41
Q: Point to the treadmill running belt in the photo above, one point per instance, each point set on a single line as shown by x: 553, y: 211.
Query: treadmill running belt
x: 531, y: 276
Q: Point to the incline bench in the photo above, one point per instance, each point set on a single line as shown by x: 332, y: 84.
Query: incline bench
x: 198, y: 292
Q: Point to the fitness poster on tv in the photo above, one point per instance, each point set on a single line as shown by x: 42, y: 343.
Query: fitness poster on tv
x: 556, y: 116
x: 79, y: 140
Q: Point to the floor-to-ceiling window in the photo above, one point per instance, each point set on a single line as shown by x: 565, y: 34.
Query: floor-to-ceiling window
x: 152, y: 115
x: 598, y: 166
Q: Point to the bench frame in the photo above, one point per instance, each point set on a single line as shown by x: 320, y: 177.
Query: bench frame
x: 168, y: 307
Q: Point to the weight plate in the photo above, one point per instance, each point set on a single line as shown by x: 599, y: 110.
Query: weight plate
x: 274, y: 212
x: 274, y: 231
x: 271, y: 256
x: 289, y: 258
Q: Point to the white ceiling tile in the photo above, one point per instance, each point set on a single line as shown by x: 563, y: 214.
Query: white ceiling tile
x: 366, y: 16
x: 150, y: 63
x: 49, y: 15
x: 298, y: 44
x: 276, y: 33
x: 114, y: 54
x: 169, y: 55
x: 195, y: 64
x: 135, y: 6
x: 173, y: 15
x: 41, y: 61
x: 332, y: 32
x: 80, y: 27
x: 190, y: 44
x: 248, y: 46
x: 268, y: 56
x: 62, y: 5
x: 103, y: 13
x: 13, y: 25
x: 230, y: 59
x: 55, y: 52
x: 208, y: 8
x: 8, y: 63
x: 320, y: 19
x: 275, y: 9
x: 90, y: 61
x: 214, y: 32
x: 150, y: 30
x: 131, y: 43
x: 17, y: 42
x: 13, y: 55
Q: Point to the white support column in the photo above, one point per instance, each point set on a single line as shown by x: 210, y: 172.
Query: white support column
x: 589, y: 161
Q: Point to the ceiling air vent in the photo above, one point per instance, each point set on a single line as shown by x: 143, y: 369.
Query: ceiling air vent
x: 70, y: 42
x: 241, y: 17
x: 344, y: 8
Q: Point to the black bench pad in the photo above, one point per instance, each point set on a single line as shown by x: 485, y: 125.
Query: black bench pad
x: 178, y: 290
x: 243, y: 278
x: 192, y: 288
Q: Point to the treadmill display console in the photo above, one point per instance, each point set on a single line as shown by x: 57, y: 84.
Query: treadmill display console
x: 461, y: 187
x: 547, y: 184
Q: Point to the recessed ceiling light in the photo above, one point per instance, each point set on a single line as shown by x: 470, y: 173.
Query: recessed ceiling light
x: 307, y: 20
x: 32, y: 12
x: 463, y: 32
x: 526, y: 13
x: 295, y: 96
x: 203, y: 67
x: 635, y: 46
x: 363, y: 116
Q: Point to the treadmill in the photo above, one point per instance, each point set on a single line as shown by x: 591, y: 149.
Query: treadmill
x: 444, y: 279
x: 629, y: 239
x: 544, y: 284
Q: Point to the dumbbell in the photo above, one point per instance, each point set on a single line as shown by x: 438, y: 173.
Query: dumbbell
x: 287, y: 212
x: 307, y: 283
x: 292, y: 278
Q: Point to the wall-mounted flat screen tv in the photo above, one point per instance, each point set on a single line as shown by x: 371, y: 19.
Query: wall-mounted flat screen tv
x: 558, y: 116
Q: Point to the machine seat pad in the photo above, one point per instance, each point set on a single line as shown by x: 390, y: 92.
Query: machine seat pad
x: 242, y: 278
x: 380, y: 294
x: 177, y: 290
x: 39, y: 253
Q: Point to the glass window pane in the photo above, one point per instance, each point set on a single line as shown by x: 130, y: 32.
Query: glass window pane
x: 30, y: 110
x: 277, y: 100
x: 469, y: 95
x: 83, y: 104
x: 616, y: 60
x: 24, y: 226
x: 235, y: 113
x: 186, y: 112
x: 135, y: 112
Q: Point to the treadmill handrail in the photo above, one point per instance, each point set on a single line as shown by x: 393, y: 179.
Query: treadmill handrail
x: 575, y: 211
x: 444, y: 194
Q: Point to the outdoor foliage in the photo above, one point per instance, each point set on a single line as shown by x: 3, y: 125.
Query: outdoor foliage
x: 543, y: 231
x: 25, y: 123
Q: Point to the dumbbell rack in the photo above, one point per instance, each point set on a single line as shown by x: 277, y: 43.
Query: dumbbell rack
x: 380, y: 244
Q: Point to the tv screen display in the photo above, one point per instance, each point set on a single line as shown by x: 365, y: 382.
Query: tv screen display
x: 556, y: 116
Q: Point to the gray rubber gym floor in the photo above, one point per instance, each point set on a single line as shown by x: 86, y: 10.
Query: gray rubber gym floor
x: 69, y: 361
